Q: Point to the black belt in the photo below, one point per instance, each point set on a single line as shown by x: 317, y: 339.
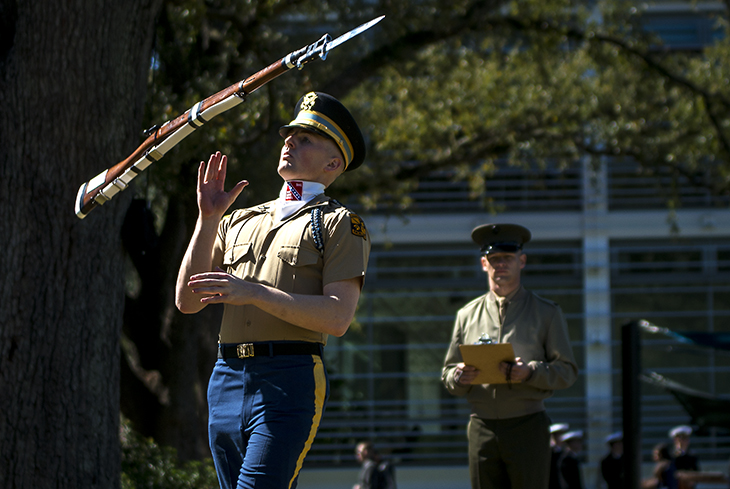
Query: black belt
x: 268, y: 349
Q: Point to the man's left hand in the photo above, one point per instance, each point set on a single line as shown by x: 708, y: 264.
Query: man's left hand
x: 219, y: 287
x: 520, y: 370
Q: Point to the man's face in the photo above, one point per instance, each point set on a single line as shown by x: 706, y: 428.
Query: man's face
x: 305, y: 154
x: 504, y: 269
x: 681, y: 442
x: 555, y: 439
x: 575, y: 445
x: 617, y: 448
x: 361, y: 453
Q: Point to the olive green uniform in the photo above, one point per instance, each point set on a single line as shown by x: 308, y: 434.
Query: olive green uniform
x: 509, y: 439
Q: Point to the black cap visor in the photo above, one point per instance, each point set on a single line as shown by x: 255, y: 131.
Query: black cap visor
x: 285, y: 130
x: 508, y: 247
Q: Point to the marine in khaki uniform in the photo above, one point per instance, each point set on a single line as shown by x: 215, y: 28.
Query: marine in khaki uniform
x: 289, y: 273
x: 509, y: 431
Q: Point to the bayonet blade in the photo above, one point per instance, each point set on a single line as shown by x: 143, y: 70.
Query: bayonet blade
x: 349, y: 35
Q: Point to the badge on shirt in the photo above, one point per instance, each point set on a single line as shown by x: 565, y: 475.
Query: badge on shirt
x: 357, y: 226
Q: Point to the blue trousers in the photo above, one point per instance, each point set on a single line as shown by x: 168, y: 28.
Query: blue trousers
x: 263, y: 415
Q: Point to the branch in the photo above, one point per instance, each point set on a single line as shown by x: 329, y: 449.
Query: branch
x: 477, y: 147
x: 403, y: 48
x: 708, y: 97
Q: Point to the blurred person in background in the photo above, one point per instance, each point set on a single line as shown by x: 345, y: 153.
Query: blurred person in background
x: 612, y: 465
x: 683, y: 459
x: 375, y: 473
x: 557, y: 430
x: 664, y: 475
x: 569, y: 464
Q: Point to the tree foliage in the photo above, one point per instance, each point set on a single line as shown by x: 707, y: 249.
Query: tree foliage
x: 147, y: 465
x: 451, y: 85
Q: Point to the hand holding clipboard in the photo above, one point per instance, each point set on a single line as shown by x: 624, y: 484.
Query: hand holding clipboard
x: 486, y: 358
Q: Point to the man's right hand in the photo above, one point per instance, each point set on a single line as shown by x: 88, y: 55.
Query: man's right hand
x: 465, y: 374
x: 213, y: 200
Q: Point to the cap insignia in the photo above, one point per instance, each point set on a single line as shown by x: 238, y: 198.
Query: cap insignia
x: 308, y: 101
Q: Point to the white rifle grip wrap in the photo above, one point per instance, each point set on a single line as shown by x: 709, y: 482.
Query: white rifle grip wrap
x: 196, y: 119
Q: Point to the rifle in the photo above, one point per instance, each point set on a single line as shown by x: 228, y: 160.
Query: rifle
x: 160, y: 140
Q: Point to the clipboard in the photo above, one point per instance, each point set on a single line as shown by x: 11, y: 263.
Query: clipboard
x: 486, y: 358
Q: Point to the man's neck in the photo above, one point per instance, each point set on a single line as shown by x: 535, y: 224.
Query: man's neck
x: 503, y: 291
x: 300, y: 190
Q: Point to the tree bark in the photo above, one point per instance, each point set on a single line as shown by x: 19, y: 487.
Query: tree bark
x: 72, y: 86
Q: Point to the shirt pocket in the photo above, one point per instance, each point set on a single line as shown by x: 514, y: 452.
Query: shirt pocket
x: 296, y: 256
x: 237, y: 255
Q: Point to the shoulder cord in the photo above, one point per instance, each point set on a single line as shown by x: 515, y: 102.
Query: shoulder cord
x: 316, y: 223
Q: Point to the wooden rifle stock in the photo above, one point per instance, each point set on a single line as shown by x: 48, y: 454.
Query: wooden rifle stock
x: 110, y: 182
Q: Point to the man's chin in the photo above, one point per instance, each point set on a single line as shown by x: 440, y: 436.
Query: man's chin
x: 284, y: 171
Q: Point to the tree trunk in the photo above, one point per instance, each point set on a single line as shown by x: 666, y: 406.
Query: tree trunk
x: 72, y: 85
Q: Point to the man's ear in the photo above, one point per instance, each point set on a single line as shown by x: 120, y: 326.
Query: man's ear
x: 335, y: 164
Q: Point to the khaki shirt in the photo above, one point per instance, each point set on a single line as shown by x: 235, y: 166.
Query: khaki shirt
x: 252, y: 245
x: 538, y: 333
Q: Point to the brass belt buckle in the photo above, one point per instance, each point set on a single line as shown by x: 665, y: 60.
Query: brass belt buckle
x: 244, y: 350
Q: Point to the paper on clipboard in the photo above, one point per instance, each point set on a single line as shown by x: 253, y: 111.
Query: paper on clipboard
x: 486, y: 358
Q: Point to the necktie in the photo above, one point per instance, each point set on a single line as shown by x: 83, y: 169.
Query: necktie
x: 503, y: 309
